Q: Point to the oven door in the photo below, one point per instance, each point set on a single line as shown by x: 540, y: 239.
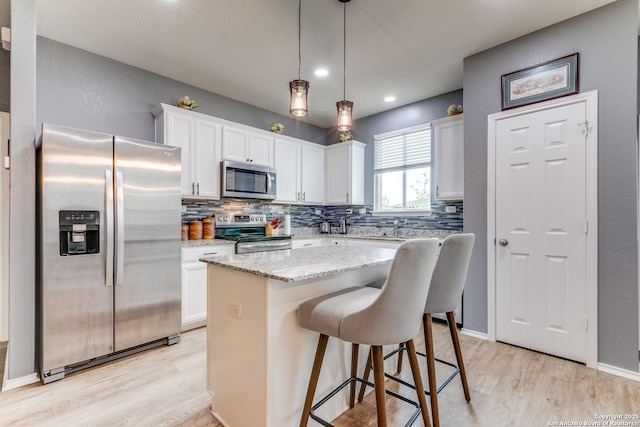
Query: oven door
x: 247, y: 181
x: 262, y: 246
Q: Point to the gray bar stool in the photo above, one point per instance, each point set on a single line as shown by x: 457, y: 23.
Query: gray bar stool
x: 445, y: 294
x: 376, y: 317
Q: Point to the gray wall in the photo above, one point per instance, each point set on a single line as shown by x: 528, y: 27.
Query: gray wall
x: 79, y: 89
x: 607, y: 41
x: 5, y: 21
x: 406, y: 116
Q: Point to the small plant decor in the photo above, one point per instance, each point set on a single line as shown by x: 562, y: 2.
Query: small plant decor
x: 345, y: 136
x: 454, y: 109
x: 276, y: 127
x: 187, y: 104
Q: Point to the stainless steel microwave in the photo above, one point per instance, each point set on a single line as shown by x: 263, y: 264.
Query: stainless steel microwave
x: 247, y: 181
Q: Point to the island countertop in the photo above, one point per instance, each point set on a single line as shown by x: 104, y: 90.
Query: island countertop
x: 295, y: 265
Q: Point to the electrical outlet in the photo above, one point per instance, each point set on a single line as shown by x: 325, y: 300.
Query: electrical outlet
x: 450, y: 209
x: 318, y: 211
x: 349, y: 211
x: 234, y: 309
x: 280, y: 211
x: 184, y: 208
x: 362, y: 211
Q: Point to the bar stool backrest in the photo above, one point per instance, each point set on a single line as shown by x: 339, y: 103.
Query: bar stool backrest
x: 450, y: 274
x: 395, y: 315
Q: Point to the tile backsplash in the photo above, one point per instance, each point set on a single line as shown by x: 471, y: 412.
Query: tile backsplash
x: 306, y: 216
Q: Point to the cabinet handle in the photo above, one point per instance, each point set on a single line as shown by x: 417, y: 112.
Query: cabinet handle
x: 304, y: 196
x: 193, y: 191
x: 347, y: 197
x: 437, y: 190
x: 210, y: 253
x: 198, y: 189
x: 248, y: 160
x: 298, y: 196
x: 307, y: 244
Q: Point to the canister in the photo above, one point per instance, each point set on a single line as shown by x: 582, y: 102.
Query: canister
x: 195, y: 229
x: 207, y: 228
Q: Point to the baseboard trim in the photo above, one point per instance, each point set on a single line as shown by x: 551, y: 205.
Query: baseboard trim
x: 614, y: 370
x: 10, y: 384
x: 475, y: 334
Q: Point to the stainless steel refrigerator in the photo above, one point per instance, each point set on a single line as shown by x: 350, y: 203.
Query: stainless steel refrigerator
x: 109, y: 213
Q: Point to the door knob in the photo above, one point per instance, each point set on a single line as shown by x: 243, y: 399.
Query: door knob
x: 503, y: 242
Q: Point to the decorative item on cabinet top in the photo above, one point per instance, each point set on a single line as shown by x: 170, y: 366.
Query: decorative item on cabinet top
x: 187, y: 103
x: 454, y: 109
x: 276, y: 127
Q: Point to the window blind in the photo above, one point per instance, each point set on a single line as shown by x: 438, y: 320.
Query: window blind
x: 400, y: 151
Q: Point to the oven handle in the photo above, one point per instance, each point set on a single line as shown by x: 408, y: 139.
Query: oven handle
x: 262, y: 246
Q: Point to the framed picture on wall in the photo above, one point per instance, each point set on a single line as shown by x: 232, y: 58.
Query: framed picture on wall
x: 541, y: 82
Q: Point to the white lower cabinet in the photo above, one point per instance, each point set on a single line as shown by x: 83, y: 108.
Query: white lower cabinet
x: 194, y: 283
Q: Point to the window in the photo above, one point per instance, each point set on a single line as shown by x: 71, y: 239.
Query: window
x: 402, y: 171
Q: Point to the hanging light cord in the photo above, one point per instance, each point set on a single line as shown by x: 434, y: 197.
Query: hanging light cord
x: 299, y: 35
x: 344, y: 52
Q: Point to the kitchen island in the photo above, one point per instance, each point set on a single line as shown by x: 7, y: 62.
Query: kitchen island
x: 258, y: 358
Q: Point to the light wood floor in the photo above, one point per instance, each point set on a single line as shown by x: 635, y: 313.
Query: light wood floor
x: 165, y: 386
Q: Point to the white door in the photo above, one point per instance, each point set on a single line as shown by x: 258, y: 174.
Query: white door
x: 338, y: 174
x: 541, y: 231
x: 235, y: 144
x: 261, y: 149
x: 181, y: 134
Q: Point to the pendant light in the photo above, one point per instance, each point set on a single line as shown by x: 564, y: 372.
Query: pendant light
x: 345, y: 108
x: 299, y: 89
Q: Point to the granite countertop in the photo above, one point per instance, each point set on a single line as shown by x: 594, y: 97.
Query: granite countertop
x: 212, y: 242
x: 295, y: 265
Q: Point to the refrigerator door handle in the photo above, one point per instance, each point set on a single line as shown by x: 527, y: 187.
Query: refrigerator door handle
x: 119, y: 229
x: 108, y: 221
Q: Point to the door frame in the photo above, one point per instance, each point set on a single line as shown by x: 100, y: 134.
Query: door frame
x: 590, y: 99
x: 4, y: 230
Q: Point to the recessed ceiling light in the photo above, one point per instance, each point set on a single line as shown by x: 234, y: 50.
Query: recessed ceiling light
x: 389, y: 98
x: 321, y: 72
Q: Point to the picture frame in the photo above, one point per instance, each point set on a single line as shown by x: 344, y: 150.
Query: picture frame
x: 549, y: 80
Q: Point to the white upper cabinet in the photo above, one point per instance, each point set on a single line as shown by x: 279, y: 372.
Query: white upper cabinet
x: 448, y: 158
x: 288, y: 161
x: 199, y: 138
x: 344, y: 173
x: 242, y: 145
x: 300, y: 169
x: 312, y: 179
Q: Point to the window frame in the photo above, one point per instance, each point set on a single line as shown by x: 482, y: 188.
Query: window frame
x: 376, y: 190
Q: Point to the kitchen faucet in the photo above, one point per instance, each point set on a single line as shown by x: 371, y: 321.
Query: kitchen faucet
x: 395, y: 228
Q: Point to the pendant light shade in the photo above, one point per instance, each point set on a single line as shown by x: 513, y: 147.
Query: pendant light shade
x: 299, y: 89
x: 298, y: 105
x: 345, y: 108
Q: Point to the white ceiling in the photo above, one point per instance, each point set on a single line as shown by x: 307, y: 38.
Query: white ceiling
x: 247, y: 49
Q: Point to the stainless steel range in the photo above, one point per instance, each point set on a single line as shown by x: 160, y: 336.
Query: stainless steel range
x: 248, y: 231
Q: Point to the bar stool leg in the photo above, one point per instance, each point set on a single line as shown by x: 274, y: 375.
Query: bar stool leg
x: 456, y: 346
x: 313, y: 381
x: 354, y: 374
x: 400, y: 350
x: 417, y: 379
x: 378, y: 381
x: 431, y: 368
x: 365, y: 377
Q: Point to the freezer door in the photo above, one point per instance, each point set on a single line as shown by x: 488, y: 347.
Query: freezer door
x: 148, y: 217
x: 75, y: 292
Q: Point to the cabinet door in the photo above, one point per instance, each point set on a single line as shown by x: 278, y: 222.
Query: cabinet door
x: 194, y: 294
x: 261, y: 149
x: 180, y: 133
x: 235, y: 144
x: 312, y: 180
x: 448, y: 160
x: 287, y: 163
x: 207, y: 159
x: 338, y: 174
